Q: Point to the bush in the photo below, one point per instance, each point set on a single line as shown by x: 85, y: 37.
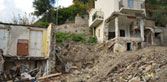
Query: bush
x: 77, y: 37
x: 92, y: 39
x: 61, y: 37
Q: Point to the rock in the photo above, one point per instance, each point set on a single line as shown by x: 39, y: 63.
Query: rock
x: 135, y: 79
x: 148, y: 68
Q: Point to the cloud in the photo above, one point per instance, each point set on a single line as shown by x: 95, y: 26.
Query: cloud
x: 9, y: 8
x: 25, y: 5
x: 1, y: 5
x: 65, y: 3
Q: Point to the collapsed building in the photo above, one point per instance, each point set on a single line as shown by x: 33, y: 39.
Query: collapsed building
x: 29, y: 46
x: 124, y: 23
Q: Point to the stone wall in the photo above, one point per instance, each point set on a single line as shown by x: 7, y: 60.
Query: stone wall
x: 81, y: 20
x: 73, y: 28
x: 165, y: 35
x: 121, y: 44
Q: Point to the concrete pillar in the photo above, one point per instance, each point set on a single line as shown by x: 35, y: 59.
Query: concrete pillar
x: 142, y: 28
x: 116, y: 28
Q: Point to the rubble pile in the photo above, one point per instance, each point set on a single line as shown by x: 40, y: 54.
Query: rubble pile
x: 76, y: 54
x: 146, y: 65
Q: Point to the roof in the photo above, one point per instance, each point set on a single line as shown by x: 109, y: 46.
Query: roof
x: 22, y: 25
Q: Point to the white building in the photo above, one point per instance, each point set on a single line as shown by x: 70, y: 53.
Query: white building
x: 123, y: 22
x: 26, y: 45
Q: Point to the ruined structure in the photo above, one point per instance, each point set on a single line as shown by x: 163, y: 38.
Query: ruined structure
x: 124, y: 23
x: 30, y: 46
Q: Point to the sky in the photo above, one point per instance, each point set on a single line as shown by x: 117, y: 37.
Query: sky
x: 10, y: 8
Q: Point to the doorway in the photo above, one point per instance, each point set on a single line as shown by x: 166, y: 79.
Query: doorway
x: 128, y: 46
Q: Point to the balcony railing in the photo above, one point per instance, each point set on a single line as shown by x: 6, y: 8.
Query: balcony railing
x: 98, y: 14
x: 97, y: 18
x: 132, y: 4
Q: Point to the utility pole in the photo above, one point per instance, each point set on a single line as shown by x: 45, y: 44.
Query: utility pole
x: 57, y: 12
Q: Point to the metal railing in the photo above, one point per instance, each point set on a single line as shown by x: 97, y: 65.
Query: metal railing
x: 98, y: 14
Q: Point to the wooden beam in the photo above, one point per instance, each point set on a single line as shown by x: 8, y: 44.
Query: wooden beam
x: 48, y: 76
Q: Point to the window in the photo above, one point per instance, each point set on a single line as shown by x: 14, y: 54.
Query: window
x: 111, y: 35
x: 99, y: 33
x: 130, y: 3
x: 122, y: 33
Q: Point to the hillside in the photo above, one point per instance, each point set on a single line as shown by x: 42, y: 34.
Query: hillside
x: 145, y: 65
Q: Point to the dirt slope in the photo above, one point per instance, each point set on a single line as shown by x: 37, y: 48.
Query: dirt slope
x: 145, y: 65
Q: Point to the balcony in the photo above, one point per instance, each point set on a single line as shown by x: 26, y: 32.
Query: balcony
x: 132, y: 6
x: 97, y: 18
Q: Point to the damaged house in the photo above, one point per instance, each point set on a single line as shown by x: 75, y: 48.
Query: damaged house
x: 124, y: 24
x: 30, y: 46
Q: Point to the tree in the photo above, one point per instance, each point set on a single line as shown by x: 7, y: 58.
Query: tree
x: 26, y: 19
x: 160, y: 16
x: 45, y: 8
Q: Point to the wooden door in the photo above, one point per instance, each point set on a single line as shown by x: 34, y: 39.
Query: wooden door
x: 22, y: 48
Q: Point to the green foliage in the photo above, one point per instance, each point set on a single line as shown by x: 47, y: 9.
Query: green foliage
x: 61, y: 37
x: 77, y: 37
x: 160, y: 16
x: 157, y: 9
x: 42, y: 24
x: 42, y: 6
x: 45, y: 8
x: 92, y: 39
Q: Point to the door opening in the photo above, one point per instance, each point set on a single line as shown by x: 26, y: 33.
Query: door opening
x: 128, y: 46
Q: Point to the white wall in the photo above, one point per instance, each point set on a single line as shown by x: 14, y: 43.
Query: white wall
x: 107, y: 6
x: 16, y: 33
x: 100, y: 27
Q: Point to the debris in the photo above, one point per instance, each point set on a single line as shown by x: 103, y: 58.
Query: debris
x: 36, y: 69
x: 135, y: 79
x: 26, y: 76
x: 148, y: 68
x: 48, y: 76
x: 151, y: 75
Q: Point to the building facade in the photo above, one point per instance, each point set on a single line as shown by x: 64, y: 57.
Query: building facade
x: 30, y: 46
x: 124, y: 22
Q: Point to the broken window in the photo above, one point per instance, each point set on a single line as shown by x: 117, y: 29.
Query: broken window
x: 157, y: 35
x: 139, y: 45
x: 122, y: 33
x: 111, y: 35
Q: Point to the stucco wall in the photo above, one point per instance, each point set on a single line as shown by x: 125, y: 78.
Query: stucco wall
x: 99, y: 32
x: 106, y: 6
x: 23, y: 32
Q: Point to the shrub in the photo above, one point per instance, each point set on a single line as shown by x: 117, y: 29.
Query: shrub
x: 92, y: 39
x: 77, y: 37
x: 61, y: 37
